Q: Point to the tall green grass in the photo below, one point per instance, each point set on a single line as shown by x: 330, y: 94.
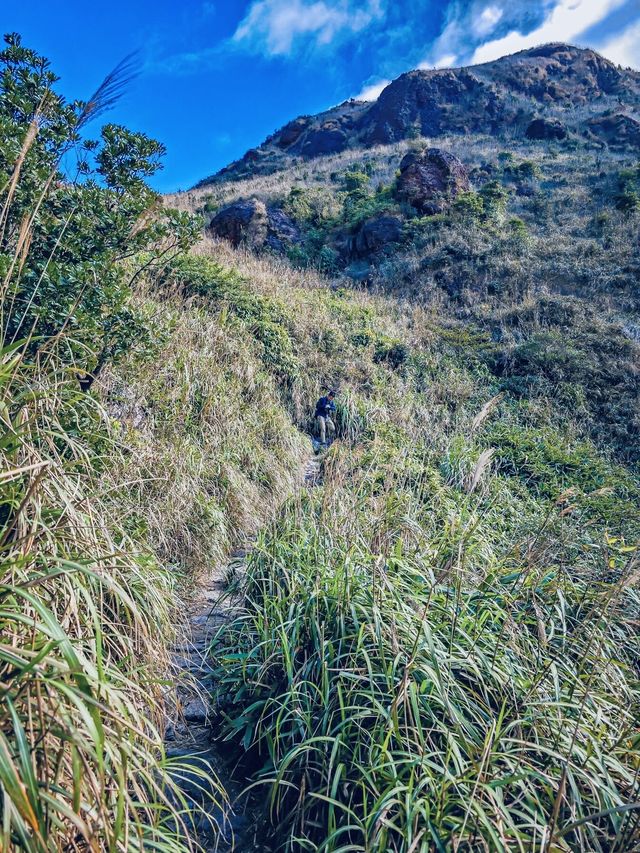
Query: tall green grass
x: 83, y: 625
x: 425, y: 666
x: 85, y: 613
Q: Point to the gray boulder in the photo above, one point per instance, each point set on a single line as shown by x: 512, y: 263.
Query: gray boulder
x: 250, y: 222
x: 375, y: 233
x: 430, y: 180
x: 546, y: 128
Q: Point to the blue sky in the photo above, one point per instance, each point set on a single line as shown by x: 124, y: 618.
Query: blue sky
x: 217, y: 76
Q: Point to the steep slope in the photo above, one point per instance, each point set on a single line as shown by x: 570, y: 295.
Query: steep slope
x: 430, y: 641
x: 436, y: 647
x: 463, y: 576
x: 575, y: 85
x: 532, y: 244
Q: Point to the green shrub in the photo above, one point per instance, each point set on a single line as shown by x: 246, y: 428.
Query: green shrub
x: 85, y: 617
x: 628, y: 201
x: 72, y: 277
x: 356, y: 182
x: 469, y: 206
x: 395, y: 354
x: 494, y: 197
x: 297, y: 205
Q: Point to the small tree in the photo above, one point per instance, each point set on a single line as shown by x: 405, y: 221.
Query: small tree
x: 76, y: 231
x: 469, y: 207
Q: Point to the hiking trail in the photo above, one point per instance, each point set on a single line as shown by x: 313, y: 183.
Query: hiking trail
x: 189, y: 736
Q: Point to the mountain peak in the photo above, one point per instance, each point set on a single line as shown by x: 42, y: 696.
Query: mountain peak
x: 571, y: 85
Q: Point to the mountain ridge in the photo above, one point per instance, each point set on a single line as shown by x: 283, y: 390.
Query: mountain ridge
x: 589, y: 96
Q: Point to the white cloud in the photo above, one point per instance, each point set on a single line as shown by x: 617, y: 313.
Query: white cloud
x: 371, y: 92
x: 446, y: 61
x: 566, y: 21
x: 468, y: 22
x: 487, y: 20
x: 623, y: 48
x: 276, y: 27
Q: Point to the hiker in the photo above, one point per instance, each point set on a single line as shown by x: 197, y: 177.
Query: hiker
x: 324, y: 408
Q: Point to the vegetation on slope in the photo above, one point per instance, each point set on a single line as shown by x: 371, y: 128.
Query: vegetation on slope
x: 439, y: 644
x: 135, y: 432
x: 433, y: 640
x: 85, y: 614
x: 540, y: 257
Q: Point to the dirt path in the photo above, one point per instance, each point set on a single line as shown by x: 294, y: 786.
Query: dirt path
x: 191, y: 737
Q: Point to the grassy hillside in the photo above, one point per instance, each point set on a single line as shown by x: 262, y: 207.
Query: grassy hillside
x: 539, y: 260
x: 437, y: 646
x: 457, y: 602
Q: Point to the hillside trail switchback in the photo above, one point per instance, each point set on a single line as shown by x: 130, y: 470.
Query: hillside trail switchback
x: 219, y: 821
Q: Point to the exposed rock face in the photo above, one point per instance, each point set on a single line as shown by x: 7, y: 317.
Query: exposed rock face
x: 428, y: 103
x: 251, y: 222
x: 281, y: 230
x: 291, y: 132
x: 329, y: 138
x: 244, y: 221
x: 545, y: 128
x: 490, y: 98
x: 618, y: 130
x: 376, y: 233
x: 556, y: 72
x: 431, y: 180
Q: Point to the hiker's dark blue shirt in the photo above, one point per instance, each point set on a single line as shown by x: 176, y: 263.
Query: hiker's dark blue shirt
x: 324, y: 406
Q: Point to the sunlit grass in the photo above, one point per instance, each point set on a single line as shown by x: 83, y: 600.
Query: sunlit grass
x: 408, y: 687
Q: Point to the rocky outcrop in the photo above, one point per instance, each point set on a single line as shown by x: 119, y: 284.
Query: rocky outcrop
x: 252, y: 223
x: 374, y: 234
x: 329, y: 138
x: 291, y: 132
x: 430, y: 180
x: 281, y: 230
x: 556, y: 73
x: 326, y: 133
x: 244, y: 221
x: 428, y: 103
x: 574, y: 84
x: 546, y: 128
x: 618, y: 130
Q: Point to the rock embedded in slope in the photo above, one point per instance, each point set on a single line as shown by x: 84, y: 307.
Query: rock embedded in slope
x: 251, y: 223
x: 375, y: 233
x: 281, y: 230
x: 618, y: 130
x: 429, y: 103
x: 244, y: 221
x: 546, y: 128
x: 430, y: 180
x: 330, y: 138
x: 292, y: 131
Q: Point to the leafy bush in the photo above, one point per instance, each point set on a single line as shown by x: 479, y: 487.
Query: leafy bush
x: 494, y: 197
x: 550, y: 463
x: 84, y: 617
x: 583, y: 364
x: 356, y: 183
x: 393, y: 353
x: 77, y: 237
x: 297, y: 205
x: 469, y: 206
